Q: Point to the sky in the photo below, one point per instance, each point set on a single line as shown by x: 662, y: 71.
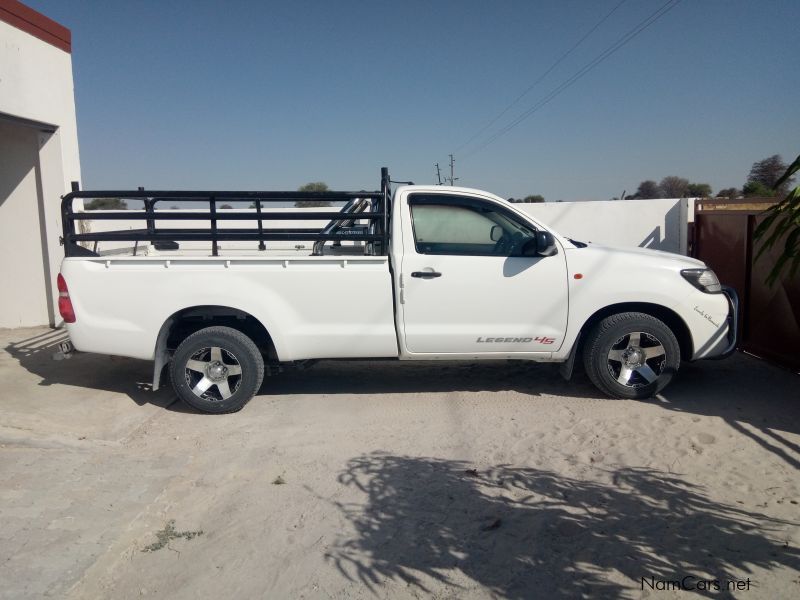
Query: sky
x: 263, y: 95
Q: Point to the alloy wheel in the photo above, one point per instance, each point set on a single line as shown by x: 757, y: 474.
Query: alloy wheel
x: 213, y: 373
x: 636, y: 359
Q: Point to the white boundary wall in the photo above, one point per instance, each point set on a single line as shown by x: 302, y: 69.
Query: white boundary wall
x: 656, y: 224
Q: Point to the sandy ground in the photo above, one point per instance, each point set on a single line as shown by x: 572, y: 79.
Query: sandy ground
x: 395, y: 480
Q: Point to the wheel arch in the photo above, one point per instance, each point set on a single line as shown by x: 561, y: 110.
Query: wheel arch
x: 668, y: 316
x: 182, y: 323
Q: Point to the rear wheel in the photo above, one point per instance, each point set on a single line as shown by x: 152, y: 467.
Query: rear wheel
x: 217, y: 370
x: 631, y: 355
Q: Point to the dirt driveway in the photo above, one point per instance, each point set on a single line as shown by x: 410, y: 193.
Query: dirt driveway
x: 395, y: 480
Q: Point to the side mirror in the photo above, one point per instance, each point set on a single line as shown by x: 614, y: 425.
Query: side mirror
x: 496, y: 233
x: 541, y: 244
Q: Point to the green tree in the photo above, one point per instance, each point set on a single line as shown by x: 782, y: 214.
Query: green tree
x: 673, y: 187
x: 729, y: 193
x: 768, y: 172
x: 106, y: 204
x: 757, y: 189
x: 699, y: 190
x: 528, y: 199
x: 647, y: 189
x: 313, y: 187
x: 226, y: 206
x: 782, y: 221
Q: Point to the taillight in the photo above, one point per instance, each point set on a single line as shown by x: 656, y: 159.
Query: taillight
x: 64, y: 302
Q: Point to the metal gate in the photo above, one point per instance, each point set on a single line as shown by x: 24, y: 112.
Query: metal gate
x: 723, y: 238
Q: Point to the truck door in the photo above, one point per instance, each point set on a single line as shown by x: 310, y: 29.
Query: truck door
x: 466, y: 288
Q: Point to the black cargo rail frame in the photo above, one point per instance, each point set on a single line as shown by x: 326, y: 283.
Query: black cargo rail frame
x: 378, y: 216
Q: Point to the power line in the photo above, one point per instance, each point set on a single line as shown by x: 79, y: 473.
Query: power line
x: 541, y: 77
x: 622, y: 41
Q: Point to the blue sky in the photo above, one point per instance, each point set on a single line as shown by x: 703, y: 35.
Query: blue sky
x: 271, y: 95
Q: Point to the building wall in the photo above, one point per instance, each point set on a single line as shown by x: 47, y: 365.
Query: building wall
x: 23, y: 264
x: 36, y: 84
x: 38, y: 160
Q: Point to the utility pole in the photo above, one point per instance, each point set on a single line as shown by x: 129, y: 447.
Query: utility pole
x: 438, y: 174
x: 452, y: 170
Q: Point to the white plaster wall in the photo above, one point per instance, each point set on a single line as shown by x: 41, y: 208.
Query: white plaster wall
x: 99, y: 225
x: 35, y: 85
x: 656, y: 224
x: 23, y: 301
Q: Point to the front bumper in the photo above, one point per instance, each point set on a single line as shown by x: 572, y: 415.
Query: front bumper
x: 733, y: 322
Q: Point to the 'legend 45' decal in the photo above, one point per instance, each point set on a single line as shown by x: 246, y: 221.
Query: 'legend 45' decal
x: 515, y: 340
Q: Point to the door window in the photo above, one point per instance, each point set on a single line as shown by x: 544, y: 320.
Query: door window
x: 465, y: 226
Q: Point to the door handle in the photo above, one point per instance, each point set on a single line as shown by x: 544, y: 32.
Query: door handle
x: 426, y: 274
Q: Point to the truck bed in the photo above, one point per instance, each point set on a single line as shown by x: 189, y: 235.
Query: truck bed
x: 325, y: 306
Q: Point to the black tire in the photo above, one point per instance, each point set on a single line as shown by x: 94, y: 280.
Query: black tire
x: 621, y: 355
x: 232, y: 375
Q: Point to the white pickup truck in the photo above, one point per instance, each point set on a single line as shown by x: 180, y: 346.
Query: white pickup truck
x: 423, y: 273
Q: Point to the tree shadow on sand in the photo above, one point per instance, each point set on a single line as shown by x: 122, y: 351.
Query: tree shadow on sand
x: 524, y: 532
x: 756, y: 399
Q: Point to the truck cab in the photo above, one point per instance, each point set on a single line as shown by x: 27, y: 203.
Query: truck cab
x: 476, y: 277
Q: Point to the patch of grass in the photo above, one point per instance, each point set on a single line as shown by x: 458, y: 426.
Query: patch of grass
x: 166, y: 535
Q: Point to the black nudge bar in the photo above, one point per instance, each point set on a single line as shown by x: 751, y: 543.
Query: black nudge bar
x: 339, y: 229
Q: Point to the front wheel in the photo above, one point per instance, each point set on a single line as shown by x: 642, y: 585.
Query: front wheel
x: 217, y: 370
x: 631, y: 355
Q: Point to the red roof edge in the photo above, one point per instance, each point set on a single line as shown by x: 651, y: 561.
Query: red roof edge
x: 28, y: 20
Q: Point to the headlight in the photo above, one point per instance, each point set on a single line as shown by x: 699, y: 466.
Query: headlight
x: 704, y: 280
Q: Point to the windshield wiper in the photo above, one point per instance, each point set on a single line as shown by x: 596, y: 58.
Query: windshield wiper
x: 577, y: 243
